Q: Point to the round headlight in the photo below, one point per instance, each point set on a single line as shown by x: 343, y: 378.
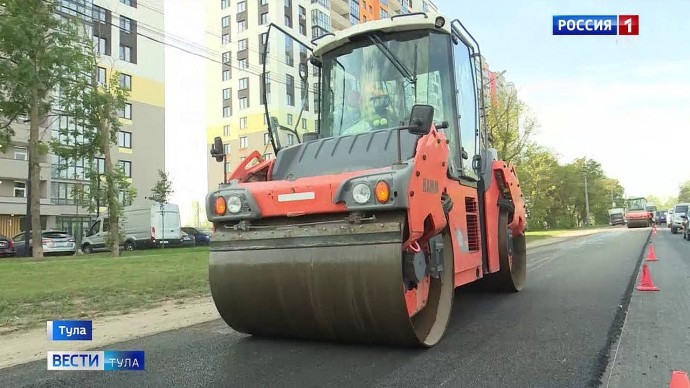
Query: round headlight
x: 234, y: 204
x: 361, y: 193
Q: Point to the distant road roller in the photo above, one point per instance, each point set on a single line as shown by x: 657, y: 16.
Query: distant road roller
x: 381, y: 199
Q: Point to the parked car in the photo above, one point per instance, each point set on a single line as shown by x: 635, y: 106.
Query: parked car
x: 6, y: 246
x: 55, y: 242
x: 202, y: 237
x: 679, y: 210
x: 187, y: 240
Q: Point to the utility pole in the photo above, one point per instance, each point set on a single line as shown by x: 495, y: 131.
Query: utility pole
x: 586, y: 198
x: 27, y: 219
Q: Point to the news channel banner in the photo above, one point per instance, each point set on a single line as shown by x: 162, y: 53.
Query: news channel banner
x: 108, y: 360
x: 596, y: 25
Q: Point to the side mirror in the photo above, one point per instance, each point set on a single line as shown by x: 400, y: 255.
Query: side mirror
x: 420, y: 119
x: 217, y: 149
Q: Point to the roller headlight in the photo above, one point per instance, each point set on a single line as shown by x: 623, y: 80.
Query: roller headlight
x: 361, y: 193
x: 234, y: 204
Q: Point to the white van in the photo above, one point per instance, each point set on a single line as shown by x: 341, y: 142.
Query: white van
x: 143, y: 227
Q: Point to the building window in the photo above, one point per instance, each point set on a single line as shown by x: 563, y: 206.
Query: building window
x: 126, y: 81
x: 243, y: 64
x: 226, y: 75
x: 264, y: 2
x: 267, y: 137
x: 101, y: 76
x: 224, y: 4
x: 100, y: 45
x: 225, y: 21
x: 304, y: 123
x: 425, y: 6
x: 126, y: 167
x: 288, y: 4
x: 242, y: 158
x: 100, y: 165
x: 243, y: 122
x: 288, y: 21
x: 19, y: 189
x: 290, y: 139
x: 383, y: 14
x: 289, y: 59
x: 241, y: 26
x: 125, y: 53
x: 244, y: 142
x: 126, y: 113
x: 226, y: 111
x: 241, y: 6
x: 226, y: 130
x: 124, y: 140
x: 263, y: 18
x: 226, y: 149
x: 303, y: 29
x: 99, y: 14
x: 290, y: 89
x: 127, y: 2
x: 226, y: 94
x: 302, y: 11
x: 226, y: 39
x: 289, y: 119
x: 20, y: 153
x: 268, y: 156
x: 244, y: 83
x: 244, y: 104
x: 242, y: 45
x: 126, y: 24
x: 226, y: 57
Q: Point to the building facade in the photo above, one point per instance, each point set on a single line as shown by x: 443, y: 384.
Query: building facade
x: 127, y: 35
x: 235, y: 108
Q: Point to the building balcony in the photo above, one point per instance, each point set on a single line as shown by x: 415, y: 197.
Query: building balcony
x: 18, y: 169
x: 17, y: 206
x: 341, y: 7
x: 338, y: 21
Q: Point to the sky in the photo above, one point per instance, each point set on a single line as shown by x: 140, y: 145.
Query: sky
x: 623, y: 101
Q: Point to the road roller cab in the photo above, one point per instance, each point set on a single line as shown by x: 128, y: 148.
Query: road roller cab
x: 391, y: 198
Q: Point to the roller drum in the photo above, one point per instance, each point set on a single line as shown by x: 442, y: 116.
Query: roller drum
x: 338, y: 282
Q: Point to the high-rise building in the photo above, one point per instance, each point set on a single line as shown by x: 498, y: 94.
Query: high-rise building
x: 126, y: 34
x: 235, y: 106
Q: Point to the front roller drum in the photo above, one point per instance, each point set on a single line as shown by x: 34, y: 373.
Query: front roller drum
x: 347, y: 287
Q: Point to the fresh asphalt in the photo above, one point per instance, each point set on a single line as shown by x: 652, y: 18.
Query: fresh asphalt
x: 655, y: 338
x: 558, y: 332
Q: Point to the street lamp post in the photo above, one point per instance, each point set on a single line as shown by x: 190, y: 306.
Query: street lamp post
x: 586, y: 200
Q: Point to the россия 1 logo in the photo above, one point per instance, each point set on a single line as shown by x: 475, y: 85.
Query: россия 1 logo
x: 596, y: 24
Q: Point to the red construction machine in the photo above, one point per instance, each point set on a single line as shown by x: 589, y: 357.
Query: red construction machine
x: 361, y: 230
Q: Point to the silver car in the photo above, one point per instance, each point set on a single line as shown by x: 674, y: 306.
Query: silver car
x: 679, y: 210
x: 55, y: 242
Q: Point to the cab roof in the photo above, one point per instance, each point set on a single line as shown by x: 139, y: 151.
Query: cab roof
x: 397, y: 23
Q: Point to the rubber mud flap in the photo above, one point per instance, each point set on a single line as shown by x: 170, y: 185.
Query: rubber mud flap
x: 336, y: 293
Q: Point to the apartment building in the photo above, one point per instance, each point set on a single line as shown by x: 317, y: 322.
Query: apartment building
x: 236, y: 31
x: 122, y: 32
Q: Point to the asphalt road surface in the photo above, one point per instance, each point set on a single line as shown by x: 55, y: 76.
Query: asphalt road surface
x: 558, y: 332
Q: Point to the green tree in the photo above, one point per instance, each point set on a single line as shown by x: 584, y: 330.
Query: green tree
x: 684, y: 192
x: 39, y: 53
x: 95, y: 107
x: 510, y: 123
x: 162, y: 190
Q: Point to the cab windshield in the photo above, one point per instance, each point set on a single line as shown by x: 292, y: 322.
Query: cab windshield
x: 372, y: 83
x: 637, y: 204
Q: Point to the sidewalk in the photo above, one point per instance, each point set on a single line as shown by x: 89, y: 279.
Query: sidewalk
x: 655, y: 338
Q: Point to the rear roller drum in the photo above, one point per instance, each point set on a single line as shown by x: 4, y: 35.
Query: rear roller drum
x: 512, y: 252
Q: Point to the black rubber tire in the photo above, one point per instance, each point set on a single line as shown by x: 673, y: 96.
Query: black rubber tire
x: 674, y: 230
x: 87, y: 249
x: 510, y: 278
x: 129, y: 246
